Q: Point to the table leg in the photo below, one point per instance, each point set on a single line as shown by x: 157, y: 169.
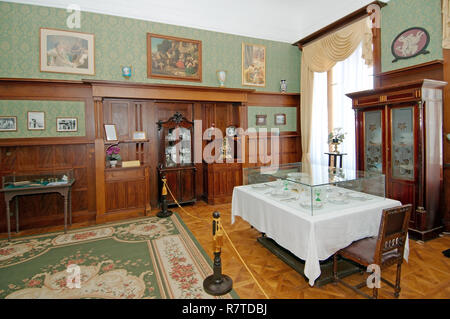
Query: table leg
x: 329, y: 160
x: 70, y: 207
x: 17, y: 214
x: 65, y: 213
x: 8, y: 220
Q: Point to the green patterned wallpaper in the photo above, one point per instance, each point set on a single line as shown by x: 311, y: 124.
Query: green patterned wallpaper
x: 52, y: 109
x: 291, y: 117
x: 400, y: 15
x: 122, y: 41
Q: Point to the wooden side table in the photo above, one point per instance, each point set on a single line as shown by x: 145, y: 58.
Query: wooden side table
x: 63, y: 189
x: 335, y: 157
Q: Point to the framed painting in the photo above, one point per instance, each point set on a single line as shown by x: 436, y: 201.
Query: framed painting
x: 174, y: 58
x: 66, y: 124
x: 67, y: 52
x: 111, y: 133
x: 8, y: 123
x: 253, y: 65
x: 261, y: 119
x: 280, y: 119
x: 36, y: 121
x: 410, y: 43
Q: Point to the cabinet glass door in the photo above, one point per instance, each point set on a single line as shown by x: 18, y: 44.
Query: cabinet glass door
x: 402, y: 135
x: 373, y: 151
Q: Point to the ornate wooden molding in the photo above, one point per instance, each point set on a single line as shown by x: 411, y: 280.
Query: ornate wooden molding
x: 110, y: 89
x: 429, y: 70
x: 350, y: 18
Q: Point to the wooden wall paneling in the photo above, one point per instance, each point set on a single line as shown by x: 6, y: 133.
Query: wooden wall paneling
x: 199, y: 116
x: 446, y: 142
x: 433, y: 70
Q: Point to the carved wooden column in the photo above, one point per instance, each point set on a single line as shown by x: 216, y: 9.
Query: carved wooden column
x: 99, y: 161
x: 374, y: 12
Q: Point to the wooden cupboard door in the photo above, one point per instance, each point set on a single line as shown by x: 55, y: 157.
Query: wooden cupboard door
x: 402, y: 169
x: 187, y: 185
x: 173, y: 183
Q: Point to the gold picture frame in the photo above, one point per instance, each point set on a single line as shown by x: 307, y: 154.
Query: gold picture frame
x: 253, y: 65
x: 111, y: 133
x: 174, y: 58
x: 139, y: 136
x: 64, y: 51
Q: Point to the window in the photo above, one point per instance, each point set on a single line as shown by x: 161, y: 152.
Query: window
x: 332, y: 108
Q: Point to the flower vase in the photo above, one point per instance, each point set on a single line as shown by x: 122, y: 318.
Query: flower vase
x: 113, y: 163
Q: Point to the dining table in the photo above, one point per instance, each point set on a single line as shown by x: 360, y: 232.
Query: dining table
x: 311, y: 234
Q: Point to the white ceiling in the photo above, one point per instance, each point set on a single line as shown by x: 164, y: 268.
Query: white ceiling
x: 278, y: 20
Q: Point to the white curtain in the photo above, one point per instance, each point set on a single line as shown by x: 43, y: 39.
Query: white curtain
x: 321, y: 56
x: 319, y: 123
x: 350, y: 75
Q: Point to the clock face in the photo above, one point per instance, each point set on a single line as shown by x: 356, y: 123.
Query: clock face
x: 231, y: 130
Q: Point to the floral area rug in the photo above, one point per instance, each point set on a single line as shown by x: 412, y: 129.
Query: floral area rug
x: 146, y: 258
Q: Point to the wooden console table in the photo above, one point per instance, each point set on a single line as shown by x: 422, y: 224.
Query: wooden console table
x: 13, y: 192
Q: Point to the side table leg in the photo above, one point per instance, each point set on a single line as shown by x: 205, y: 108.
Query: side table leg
x: 65, y: 213
x: 70, y: 207
x: 17, y: 214
x: 8, y: 219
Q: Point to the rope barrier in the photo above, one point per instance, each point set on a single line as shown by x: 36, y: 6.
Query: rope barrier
x: 226, y: 235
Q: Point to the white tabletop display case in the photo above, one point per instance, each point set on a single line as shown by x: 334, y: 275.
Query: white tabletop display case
x: 315, y: 189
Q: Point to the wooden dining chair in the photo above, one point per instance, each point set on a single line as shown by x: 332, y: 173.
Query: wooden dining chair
x: 383, y: 250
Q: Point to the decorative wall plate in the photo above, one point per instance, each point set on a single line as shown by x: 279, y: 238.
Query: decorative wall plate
x: 410, y: 43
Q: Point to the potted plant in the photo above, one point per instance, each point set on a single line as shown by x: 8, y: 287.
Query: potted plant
x: 335, y: 138
x: 112, y: 155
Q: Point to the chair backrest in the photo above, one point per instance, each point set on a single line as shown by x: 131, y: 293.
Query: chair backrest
x: 392, y: 232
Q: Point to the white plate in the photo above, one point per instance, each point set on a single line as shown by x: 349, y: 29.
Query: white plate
x: 259, y: 186
x: 307, y: 204
x: 338, y: 200
x: 281, y: 195
x: 357, y: 196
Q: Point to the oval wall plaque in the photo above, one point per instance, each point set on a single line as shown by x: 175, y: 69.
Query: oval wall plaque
x: 410, y: 43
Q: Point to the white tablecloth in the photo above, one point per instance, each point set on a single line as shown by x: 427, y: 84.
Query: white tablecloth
x: 311, y: 238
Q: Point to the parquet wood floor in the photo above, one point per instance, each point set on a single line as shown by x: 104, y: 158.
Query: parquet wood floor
x: 425, y: 276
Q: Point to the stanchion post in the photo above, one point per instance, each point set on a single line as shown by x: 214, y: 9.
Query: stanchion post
x: 217, y: 284
x: 164, y: 211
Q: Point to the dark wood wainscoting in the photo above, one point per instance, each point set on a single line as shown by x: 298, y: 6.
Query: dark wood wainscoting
x: 43, y: 155
x: 101, y: 193
x: 48, y: 210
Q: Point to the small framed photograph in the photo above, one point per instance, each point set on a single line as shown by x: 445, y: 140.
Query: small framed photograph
x: 66, y: 124
x: 261, y: 119
x: 280, y: 119
x: 8, y: 123
x: 139, y: 136
x: 111, y: 132
x: 36, y: 120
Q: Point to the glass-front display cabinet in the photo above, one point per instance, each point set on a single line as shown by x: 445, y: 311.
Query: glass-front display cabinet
x: 55, y: 178
x: 399, y: 134
x: 315, y: 189
x: 176, y: 158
